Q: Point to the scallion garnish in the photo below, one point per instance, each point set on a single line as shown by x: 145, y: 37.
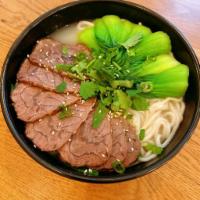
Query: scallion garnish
x: 153, y: 148
x: 88, y: 172
x: 142, y: 134
x: 64, y: 50
x: 118, y: 166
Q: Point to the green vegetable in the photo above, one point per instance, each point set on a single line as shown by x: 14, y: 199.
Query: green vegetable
x: 140, y: 103
x: 65, y: 112
x: 155, y: 66
x: 142, y: 134
x: 154, y: 149
x: 87, y: 37
x: 88, y: 172
x: 114, y: 26
x: 118, y: 166
x: 145, y: 87
x: 61, y: 87
x: 99, y: 115
x: 169, y: 83
x: 102, y: 34
x: 122, y: 83
x: 152, y: 45
x: 120, y: 101
x: 126, y: 30
x: 140, y: 29
x: 64, y: 50
x: 88, y: 89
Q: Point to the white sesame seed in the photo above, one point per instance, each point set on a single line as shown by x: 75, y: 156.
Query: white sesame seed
x: 34, y: 146
x: 100, y: 111
x: 129, y: 139
x: 37, y: 41
x: 63, y: 102
x: 53, y: 132
x: 69, y: 140
x: 40, y: 60
x: 59, y: 124
x: 132, y: 149
x: 28, y: 56
x: 32, y: 73
x: 40, y: 120
x: 81, y: 114
x: 82, y: 101
x: 75, y: 105
x: 140, y: 23
x: 117, y: 124
x: 41, y: 50
x: 103, y: 155
x: 47, y: 53
x: 67, y: 93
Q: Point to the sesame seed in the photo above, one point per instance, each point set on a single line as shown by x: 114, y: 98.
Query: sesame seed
x: 41, y: 50
x: 40, y: 120
x: 75, y: 105
x: 117, y: 124
x: 34, y: 146
x: 37, y: 41
x: 47, y: 53
x: 53, y: 132
x: 82, y: 101
x: 69, y: 140
x: 100, y: 111
x: 129, y: 139
x: 140, y: 23
x: 59, y: 124
x: 132, y: 149
x: 63, y: 102
x: 40, y: 60
x: 81, y: 114
x: 67, y: 93
x: 103, y: 155
x: 32, y: 73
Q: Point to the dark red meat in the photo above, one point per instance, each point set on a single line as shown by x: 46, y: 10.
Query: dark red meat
x: 50, y: 133
x: 32, y: 103
x: 90, y: 147
x: 37, y: 76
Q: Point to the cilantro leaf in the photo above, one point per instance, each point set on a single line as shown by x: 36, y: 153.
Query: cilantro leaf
x: 61, y: 87
x: 132, y: 41
x: 140, y: 103
x: 64, y: 112
x: 88, y: 89
x: 99, y: 115
x: 153, y: 148
x: 142, y: 134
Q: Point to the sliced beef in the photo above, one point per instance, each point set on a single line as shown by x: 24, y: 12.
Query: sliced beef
x: 133, y: 144
x: 37, y: 76
x: 50, y: 133
x: 90, y: 147
x: 48, y: 53
x: 32, y: 103
x: 119, y: 145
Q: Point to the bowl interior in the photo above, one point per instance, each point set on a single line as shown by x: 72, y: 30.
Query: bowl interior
x: 74, y: 12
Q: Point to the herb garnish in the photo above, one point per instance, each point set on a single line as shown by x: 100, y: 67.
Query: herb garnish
x: 142, y: 134
x: 154, y: 149
x: 99, y: 115
x: 118, y: 166
x: 88, y: 172
x: 65, y: 112
x: 61, y: 87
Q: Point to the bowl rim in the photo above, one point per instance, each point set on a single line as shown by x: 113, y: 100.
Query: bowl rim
x: 47, y: 165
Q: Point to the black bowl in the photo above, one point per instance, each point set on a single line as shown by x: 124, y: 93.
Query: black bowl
x: 74, y: 12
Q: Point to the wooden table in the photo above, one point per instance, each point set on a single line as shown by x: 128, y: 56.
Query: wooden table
x: 21, y: 178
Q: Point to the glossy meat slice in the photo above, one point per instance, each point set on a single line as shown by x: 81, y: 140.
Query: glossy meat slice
x: 133, y: 144
x: 32, y: 103
x: 90, y: 147
x: 50, y: 133
x: 119, y: 144
x: 37, y: 76
x: 48, y: 53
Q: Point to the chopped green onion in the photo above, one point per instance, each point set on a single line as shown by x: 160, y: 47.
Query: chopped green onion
x: 65, y: 112
x: 99, y: 115
x: 142, y: 134
x: 88, y: 172
x: 118, y: 166
x: 146, y: 86
x: 61, y: 87
x: 140, y: 103
x: 154, y: 149
x: 63, y: 67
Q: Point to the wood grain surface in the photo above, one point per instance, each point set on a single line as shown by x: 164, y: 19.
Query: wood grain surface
x: 21, y: 178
